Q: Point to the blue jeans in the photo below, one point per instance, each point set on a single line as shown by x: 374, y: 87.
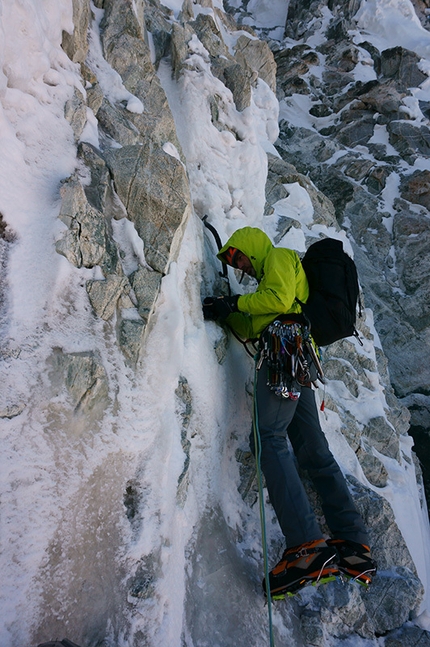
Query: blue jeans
x: 291, y: 436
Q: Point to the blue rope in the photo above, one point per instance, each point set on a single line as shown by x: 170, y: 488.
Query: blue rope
x: 257, y: 445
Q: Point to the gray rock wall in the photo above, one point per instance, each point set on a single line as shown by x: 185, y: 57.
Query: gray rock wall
x: 392, y: 240
x: 129, y: 175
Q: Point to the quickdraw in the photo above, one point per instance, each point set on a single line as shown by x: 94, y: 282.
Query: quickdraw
x: 291, y: 360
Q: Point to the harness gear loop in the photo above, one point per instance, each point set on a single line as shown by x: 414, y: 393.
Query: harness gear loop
x: 291, y: 358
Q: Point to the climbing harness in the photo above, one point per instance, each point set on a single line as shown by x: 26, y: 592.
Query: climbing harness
x: 257, y: 445
x: 291, y: 359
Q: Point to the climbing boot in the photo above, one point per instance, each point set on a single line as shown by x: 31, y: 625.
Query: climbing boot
x: 354, y: 560
x: 310, y: 563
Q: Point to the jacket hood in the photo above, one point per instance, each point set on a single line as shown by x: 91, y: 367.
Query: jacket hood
x: 252, y: 242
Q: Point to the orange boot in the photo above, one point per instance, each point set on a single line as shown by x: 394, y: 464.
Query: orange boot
x: 354, y: 560
x: 310, y: 563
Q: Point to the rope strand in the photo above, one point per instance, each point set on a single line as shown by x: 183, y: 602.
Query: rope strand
x: 257, y: 445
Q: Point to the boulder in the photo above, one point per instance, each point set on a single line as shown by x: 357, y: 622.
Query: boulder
x: 388, y: 546
x: 160, y: 28
x: 352, y: 95
x: 146, y: 285
x: 116, y: 122
x: 84, y: 376
x: 104, y: 295
x: 408, y: 636
x: 374, y: 470
x: 181, y: 36
x: 334, y: 81
x: 122, y: 32
x: 393, y: 599
x: 86, y: 243
x: 153, y: 187
x: 409, y: 140
x: 130, y: 338
x: 402, y: 65
x: 357, y: 168
x: 75, y: 111
x: 377, y: 178
x: 385, y: 99
x: 383, y: 437
x: 127, y: 52
x: 209, y: 35
x: 292, y: 63
x: 416, y: 188
x: 99, y: 185
x: 339, y: 610
x: 356, y: 133
x: 238, y: 81
x: 76, y: 44
x: 256, y: 55
x: 411, y: 233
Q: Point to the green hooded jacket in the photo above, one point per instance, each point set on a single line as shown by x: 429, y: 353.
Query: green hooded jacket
x: 281, y: 278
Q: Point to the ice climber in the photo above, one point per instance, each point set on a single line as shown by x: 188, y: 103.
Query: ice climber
x: 288, y: 422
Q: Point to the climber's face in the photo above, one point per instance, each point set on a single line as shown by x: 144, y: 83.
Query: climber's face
x: 243, y: 263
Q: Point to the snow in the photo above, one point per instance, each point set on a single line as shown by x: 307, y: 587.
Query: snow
x: 364, y: 71
x: 392, y: 23
x: 268, y: 14
x: 63, y: 476
x: 380, y: 136
x: 109, y: 80
x: 226, y: 164
x: 319, y: 24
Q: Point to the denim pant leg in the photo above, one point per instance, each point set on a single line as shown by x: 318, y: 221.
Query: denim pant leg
x: 287, y: 494
x: 313, y: 454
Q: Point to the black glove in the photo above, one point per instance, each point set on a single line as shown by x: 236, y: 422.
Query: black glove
x: 208, y: 309
x: 219, y: 307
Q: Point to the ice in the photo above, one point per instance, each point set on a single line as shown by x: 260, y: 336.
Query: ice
x: 97, y: 544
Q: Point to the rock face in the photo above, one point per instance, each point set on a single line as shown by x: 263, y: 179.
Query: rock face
x: 84, y: 376
x: 392, y: 237
x: 123, y: 215
x: 131, y: 175
x: 136, y: 171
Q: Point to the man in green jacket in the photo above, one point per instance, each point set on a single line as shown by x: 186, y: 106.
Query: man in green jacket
x: 288, y: 421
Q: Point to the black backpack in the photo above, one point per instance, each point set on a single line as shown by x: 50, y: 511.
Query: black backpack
x: 333, y: 292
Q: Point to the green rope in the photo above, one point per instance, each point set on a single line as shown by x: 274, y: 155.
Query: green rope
x: 257, y: 445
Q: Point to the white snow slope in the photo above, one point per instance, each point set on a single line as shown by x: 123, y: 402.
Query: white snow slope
x: 68, y: 551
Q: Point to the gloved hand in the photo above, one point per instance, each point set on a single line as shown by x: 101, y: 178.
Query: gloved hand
x: 219, y: 307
